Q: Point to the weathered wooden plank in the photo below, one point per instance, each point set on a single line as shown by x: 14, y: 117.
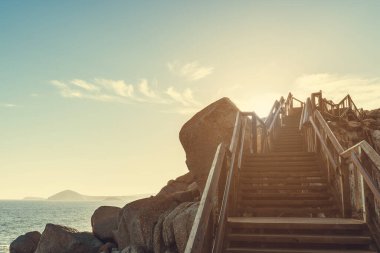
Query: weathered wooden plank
x: 330, y: 134
x: 218, y: 243
x: 371, y: 153
x: 331, y: 158
x: 235, y: 139
x: 347, y: 153
x: 254, y: 134
x: 366, y: 176
x: 201, y: 221
x: 242, y: 143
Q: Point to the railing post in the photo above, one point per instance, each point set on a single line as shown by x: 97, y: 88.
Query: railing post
x: 346, y: 191
x: 254, y: 133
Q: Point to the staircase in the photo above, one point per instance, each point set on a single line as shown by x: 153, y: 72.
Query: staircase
x: 290, y: 139
x: 285, y: 204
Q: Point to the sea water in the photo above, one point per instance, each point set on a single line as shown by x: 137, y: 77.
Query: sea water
x: 20, y: 217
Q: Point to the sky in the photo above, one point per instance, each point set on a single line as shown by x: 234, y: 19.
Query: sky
x: 93, y: 93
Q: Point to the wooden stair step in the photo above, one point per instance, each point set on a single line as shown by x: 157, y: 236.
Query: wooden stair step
x: 280, y: 174
x: 288, y: 211
x: 276, y: 250
x: 283, y: 154
x: 309, y: 195
x: 286, y: 203
x: 297, y: 223
x: 322, y: 186
x: 284, y: 163
x: 280, y: 158
x: 282, y: 180
x: 302, y: 238
x: 263, y: 169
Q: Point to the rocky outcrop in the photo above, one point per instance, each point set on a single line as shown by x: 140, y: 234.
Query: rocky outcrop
x: 182, y: 183
x: 137, y: 220
x: 104, y: 221
x: 350, y: 132
x: 25, y: 243
x: 201, y: 135
x: 182, y: 225
x: 60, y: 239
x: 374, y: 125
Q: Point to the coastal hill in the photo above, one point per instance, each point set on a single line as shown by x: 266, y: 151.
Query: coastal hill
x: 69, y: 195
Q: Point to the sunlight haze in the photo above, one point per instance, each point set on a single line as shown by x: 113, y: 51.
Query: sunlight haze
x: 94, y: 94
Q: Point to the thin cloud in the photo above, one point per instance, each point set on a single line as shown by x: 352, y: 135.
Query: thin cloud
x: 8, y: 105
x: 146, y: 90
x: 185, y: 98
x: 108, y: 90
x: 118, y: 86
x: 191, y: 71
x: 364, y: 91
x: 66, y: 90
x: 84, y: 85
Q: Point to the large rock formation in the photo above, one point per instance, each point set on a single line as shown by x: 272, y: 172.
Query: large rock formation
x: 201, y: 135
x: 350, y: 132
x: 138, y: 220
x: 60, y: 239
x: 104, y: 221
x: 25, y: 243
x: 163, y: 223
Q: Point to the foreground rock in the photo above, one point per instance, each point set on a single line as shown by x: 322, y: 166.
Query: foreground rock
x: 202, y: 134
x: 25, y: 243
x: 60, y: 239
x: 137, y: 220
x: 104, y: 221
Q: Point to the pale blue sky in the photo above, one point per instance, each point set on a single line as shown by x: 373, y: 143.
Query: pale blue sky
x: 93, y: 93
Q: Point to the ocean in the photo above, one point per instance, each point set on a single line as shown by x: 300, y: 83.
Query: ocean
x: 19, y: 217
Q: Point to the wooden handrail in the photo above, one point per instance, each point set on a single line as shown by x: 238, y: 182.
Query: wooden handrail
x: 366, y: 176
x: 218, y: 245
x: 274, y: 119
x: 196, y: 242
x: 331, y: 158
x: 328, y: 131
x: 235, y: 138
x: 242, y: 143
x: 201, y: 220
x: 342, y: 159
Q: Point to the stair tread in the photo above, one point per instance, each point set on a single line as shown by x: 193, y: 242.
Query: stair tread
x: 286, y: 202
x: 276, y: 250
x: 278, y: 220
x: 283, y: 153
x: 285, y: 195
x: 302, y: 238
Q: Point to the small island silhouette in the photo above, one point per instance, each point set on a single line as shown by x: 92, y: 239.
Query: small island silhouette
x: 70, y: 195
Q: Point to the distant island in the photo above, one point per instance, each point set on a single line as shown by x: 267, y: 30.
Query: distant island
x: 69, y: 195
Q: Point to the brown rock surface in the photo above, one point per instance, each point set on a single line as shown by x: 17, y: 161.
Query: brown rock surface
x: 104, y: 221
x: 60, y: 239
x: 107, y: 248
x: 179, y: 184
x: 25, y: 243
x: 202, y: 134
x: 182, y: 225
x: 138, y: 219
